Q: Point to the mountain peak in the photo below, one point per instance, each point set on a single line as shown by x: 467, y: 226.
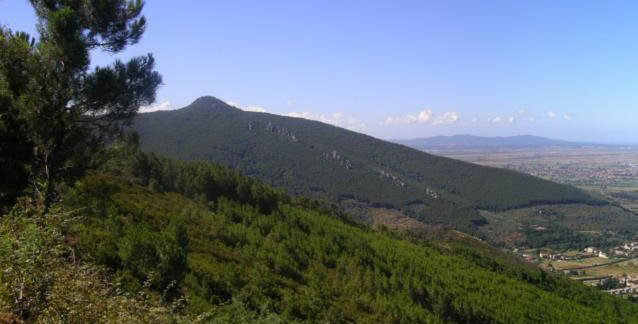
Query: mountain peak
x: 210, y: 103
x: 207, y: 100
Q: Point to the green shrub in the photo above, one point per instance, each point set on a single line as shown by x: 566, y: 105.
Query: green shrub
x: 43, y: 281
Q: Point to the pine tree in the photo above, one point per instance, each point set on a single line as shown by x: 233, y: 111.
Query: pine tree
x: 55, y: 112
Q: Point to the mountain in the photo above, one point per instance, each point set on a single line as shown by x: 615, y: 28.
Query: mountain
x: 480, y: 142
x: 314, y: 159
x: 147, y: 239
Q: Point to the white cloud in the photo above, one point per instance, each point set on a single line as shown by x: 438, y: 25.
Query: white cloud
x: 567, y: 116
x: 289, y: 102
x: 254, y: 109
x: 499, y: 119
x: 159, y: 106
x: 523, y: 115
x: 232, y: 103
x: 496, y: 119
x: 423, y: 117
x: 337, y: 119
x: 447, y: 118
x: 247, y: 108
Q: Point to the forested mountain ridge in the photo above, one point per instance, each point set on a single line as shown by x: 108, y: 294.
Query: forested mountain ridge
x: 311, y: 158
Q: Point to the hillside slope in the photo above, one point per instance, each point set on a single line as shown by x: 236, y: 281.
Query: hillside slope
x: 230, y: 246
x: 319, y: 160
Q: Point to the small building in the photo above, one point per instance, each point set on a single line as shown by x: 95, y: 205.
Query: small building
x: 631, y: 246
x: 574, y: 272
x: 556, y: 256
x: 621, y: 252
x: 602, y: 254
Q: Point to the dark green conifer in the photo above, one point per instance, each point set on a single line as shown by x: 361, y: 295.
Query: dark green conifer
x: 56, y: 112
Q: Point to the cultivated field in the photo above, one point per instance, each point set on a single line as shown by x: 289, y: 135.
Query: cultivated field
x: 577, y: 264
x: 622, y: 269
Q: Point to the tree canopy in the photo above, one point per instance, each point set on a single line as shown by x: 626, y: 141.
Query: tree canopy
x: 55, y: 110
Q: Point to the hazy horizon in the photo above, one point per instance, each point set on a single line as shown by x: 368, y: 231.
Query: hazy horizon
x: 557, y: 70
x: 517, y: 135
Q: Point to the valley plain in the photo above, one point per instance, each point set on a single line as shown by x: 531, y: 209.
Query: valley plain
x: 609, y: 172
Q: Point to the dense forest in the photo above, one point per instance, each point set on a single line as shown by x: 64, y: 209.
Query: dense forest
x: 198, y: 241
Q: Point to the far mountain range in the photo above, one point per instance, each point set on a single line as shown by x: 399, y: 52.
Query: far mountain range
x: 481, y: 142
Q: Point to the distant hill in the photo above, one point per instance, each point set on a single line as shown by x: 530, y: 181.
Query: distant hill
x: 481, y: 142
x: 358, y: 171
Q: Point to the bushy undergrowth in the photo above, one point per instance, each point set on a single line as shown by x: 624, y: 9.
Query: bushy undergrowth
x: 43, y: 281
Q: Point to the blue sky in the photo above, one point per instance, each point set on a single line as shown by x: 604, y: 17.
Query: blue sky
x: 399, y: 69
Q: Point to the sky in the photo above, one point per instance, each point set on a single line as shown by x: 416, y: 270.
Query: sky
x: 400, y: 69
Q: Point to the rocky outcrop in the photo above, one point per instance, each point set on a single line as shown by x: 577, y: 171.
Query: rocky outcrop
x: 432, y: 193
x: 281, y: 131
x: 335, y: 156
x: 393, y: 178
